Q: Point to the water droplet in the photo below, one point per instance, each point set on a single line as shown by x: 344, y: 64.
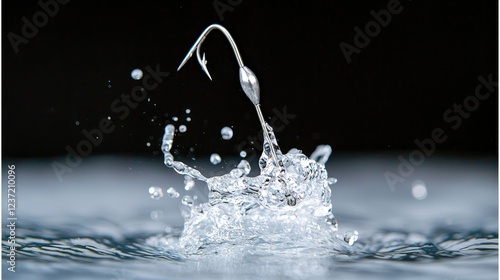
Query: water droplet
x: 187, y: 200
x: 351, y: 236
x: 226, y: 133
x: 77, y: 123
x: 188, y: 111
x: 172, y: 193
x: 174, y: 118
x: 109, y: 117
x: 332, y: 221
x: 148, y: 144
x: 419, y: 190
x: 182, y: 128
x: 155, y: 215
x: 242, y: 169
x: 155, y: 192
x: 244, y: 166
x: 331, y: 180
x: 188, y: 119
x: 243, y: 154
x: 168, y: 229
x: 136, y: 74
x: 215, y: 158
x: 189, y: 182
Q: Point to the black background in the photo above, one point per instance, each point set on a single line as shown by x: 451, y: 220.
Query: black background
x: 393, y: 92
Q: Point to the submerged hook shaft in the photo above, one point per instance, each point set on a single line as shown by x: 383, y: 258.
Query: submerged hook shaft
x: 248, y: 80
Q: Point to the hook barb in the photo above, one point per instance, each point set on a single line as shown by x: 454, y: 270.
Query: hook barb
x: 204, y: 66
x: 197, y: 46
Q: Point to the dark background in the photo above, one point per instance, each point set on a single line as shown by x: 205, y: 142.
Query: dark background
x: 395, y: 91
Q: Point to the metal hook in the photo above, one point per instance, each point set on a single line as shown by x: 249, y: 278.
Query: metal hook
x: 248, y: 80
x: 197, y: 45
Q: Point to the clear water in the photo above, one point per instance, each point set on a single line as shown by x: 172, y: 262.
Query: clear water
x: 286, y: 205
x: 101, y: 223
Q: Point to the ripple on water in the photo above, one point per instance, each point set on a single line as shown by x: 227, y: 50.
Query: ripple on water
x: 62, y: 251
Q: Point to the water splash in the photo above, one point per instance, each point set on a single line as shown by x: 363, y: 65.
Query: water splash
x: 189, y: 183
x: 322, y: 153
x: 179, y: 167
x: 289, y: 204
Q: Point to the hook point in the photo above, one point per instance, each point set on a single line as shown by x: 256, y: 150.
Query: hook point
x: 206, y: 72
x: 186, y: 58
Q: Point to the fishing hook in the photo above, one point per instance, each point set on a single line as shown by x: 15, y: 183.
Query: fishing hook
x: 248, y: 79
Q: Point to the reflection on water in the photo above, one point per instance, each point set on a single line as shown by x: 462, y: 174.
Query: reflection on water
x: 97, y: 224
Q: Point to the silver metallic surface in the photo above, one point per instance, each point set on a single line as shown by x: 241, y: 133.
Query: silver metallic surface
x: 250, y: 84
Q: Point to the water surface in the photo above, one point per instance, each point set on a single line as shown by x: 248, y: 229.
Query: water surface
x: 100, y: 223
